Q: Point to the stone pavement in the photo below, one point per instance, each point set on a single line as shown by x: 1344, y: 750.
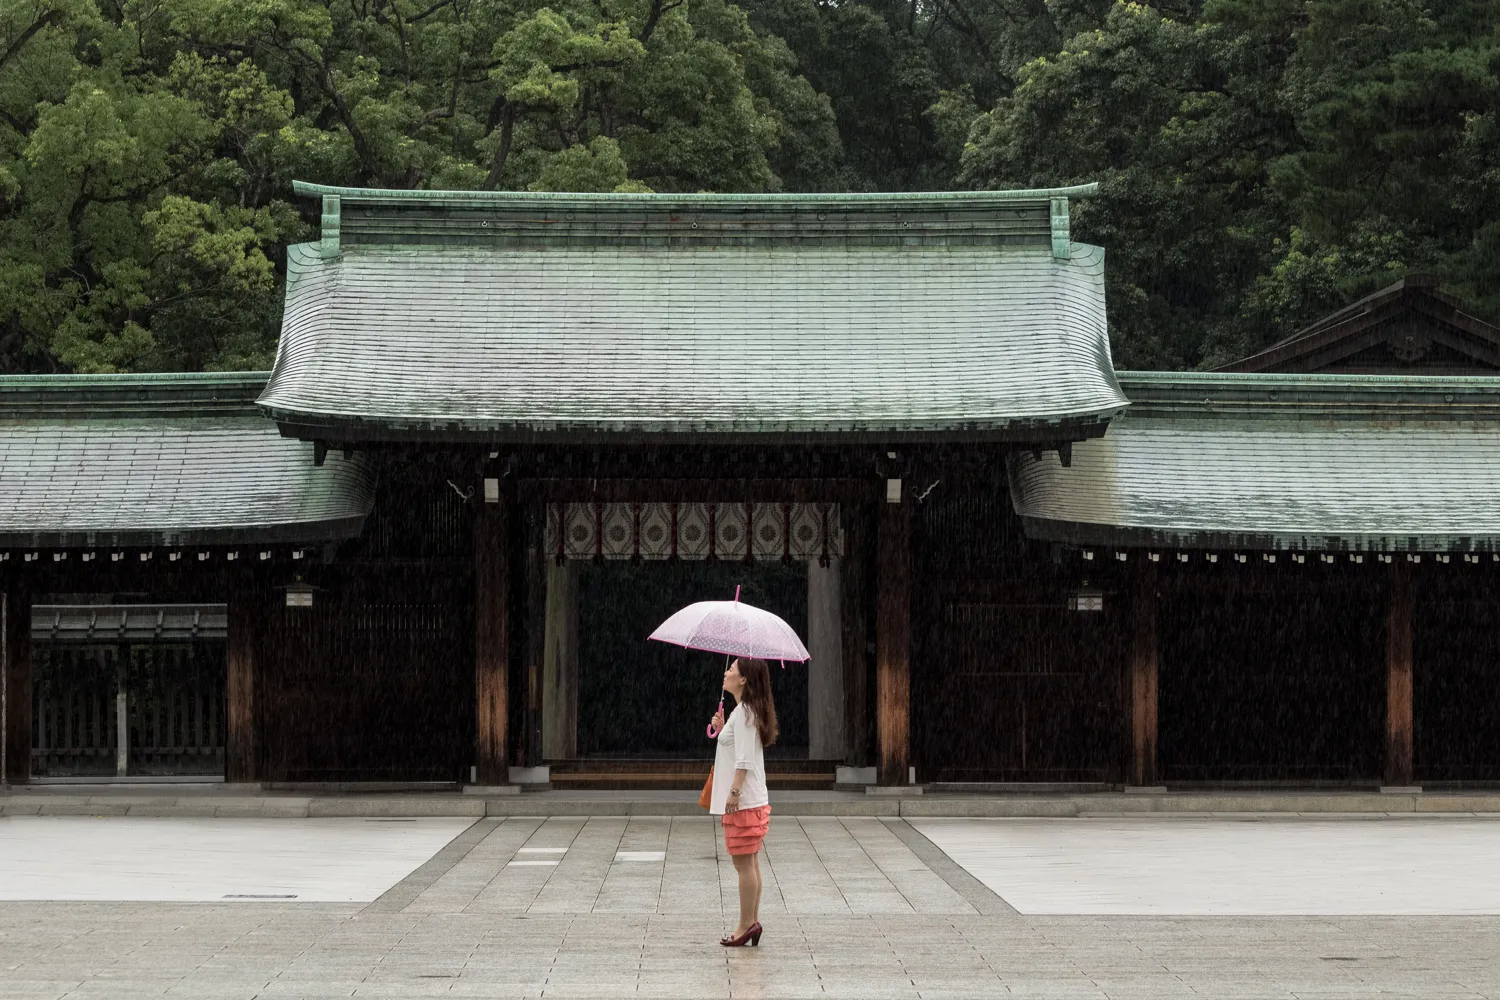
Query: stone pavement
x: 857, y: 907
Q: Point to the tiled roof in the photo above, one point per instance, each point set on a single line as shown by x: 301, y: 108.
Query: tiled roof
x: 163, y: 460
x: 122, y: 622
x: 903, y: 316
x: 1330, y: 462
x: 1412, y: 316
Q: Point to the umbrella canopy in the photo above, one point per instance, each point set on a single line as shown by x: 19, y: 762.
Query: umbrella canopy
x: 733, y: 629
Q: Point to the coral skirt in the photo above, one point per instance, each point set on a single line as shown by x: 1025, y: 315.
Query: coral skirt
x: 744, y: 830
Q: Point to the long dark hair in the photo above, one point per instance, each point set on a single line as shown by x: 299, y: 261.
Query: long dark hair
x: 757, y: 698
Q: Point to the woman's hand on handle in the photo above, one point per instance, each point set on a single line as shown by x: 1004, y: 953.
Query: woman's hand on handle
x: 717, y: 723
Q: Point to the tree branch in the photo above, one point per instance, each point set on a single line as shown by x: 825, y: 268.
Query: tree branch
x: 502, y: 151
x: 429, y: 11
x: 658, y: 8
x: 13, y: 121
x: 46, y: 20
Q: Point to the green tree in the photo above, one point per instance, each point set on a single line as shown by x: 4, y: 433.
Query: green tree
x: 1179, y: 121
x: 125, y: 241
x: 1263, y: 162
x: 147, y: 147
x: 1398, y: 165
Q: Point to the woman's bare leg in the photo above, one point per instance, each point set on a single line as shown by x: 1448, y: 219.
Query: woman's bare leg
x: 755, y: 906
x: 744, y: 864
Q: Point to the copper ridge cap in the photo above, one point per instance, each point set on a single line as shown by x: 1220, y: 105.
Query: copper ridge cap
x: 851, y: 200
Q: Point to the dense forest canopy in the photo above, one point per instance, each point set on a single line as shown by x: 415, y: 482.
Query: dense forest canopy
x: 1261, y: 161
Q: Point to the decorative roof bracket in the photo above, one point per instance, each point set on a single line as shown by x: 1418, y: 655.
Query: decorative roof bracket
x: 329, y: 246
x: 1062, y: 238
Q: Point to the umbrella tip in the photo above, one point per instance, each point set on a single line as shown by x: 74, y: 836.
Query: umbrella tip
x: 736, y: 593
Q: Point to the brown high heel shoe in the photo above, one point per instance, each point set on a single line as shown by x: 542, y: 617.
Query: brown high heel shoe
x: 750, y: 937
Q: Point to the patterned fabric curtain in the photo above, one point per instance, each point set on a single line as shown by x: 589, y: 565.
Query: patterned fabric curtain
x: 777, y: 531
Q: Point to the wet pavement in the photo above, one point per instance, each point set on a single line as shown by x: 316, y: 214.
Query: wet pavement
x: 863, y: 907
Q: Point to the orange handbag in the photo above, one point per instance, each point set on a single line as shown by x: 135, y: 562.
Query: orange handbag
x: 706, y: 797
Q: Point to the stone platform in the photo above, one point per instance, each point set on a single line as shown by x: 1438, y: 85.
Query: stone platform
x: 139, y: 799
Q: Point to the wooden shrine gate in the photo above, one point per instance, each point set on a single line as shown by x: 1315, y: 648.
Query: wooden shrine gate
x: 128, y: 690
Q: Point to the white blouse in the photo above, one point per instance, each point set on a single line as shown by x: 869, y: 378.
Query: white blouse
x: 739, y: 748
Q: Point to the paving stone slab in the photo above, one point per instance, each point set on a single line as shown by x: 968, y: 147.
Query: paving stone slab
x: 404, y: 805
x: 68, y: 809
x: 271, y: 809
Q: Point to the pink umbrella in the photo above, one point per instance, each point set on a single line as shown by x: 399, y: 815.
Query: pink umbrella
x: 733, y: 629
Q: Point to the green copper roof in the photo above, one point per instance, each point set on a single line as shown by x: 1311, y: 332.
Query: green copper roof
x: 162, y: 460
x: 1313, y: 462
x: 505, y: 316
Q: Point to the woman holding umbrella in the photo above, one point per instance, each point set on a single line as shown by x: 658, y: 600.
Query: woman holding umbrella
x: 738, y: 789
x: 739, y: 784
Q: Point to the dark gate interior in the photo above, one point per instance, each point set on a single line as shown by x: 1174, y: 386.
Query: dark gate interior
x: 1272, y: 673
x: 1456, y: 674
x: 648, y: 699
x: 1009, y: 683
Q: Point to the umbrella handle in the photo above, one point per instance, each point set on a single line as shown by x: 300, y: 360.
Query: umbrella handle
x: 713, y: 733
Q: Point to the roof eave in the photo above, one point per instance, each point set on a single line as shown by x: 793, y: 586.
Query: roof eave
x: 1085, y: 534
x: 292, y: 533
x: 352, y: 429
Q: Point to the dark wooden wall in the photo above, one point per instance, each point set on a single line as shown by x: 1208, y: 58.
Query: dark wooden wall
x: 375, y: 680
x: 1008, y: 683
x: 16, y: 637
x: 1272, y: 672
x: 368, y: 684
x: 1456, y: 672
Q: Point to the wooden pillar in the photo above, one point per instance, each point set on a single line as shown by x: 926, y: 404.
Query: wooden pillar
x: 1143, y: 673
x: 1398, y: 689
x: 854, y: 617
x: 825, y: 672
x: 491, y: 643
x: 893, y: 642
x: 15, y: 661
x: 560, y: 664
x: 536, y: 630
x: 240, y: 763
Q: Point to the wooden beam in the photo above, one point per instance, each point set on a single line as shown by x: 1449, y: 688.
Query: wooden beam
x: 607, y: 490
x: 893, y: 642
x: 240, y: 762
x: 16, y: 639
x: 491, y: 643
x: 1143, y: 675
x: 1398, y: 691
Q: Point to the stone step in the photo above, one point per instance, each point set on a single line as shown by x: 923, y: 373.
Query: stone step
x: 625, y: 780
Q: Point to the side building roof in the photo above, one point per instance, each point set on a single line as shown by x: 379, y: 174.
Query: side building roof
x: 1300, y: 462
x: 1409, y: 327
x: 506, y: 316
x: 146, y: 460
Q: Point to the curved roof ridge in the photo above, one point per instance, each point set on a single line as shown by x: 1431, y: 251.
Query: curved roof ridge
x: 354, y: 195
